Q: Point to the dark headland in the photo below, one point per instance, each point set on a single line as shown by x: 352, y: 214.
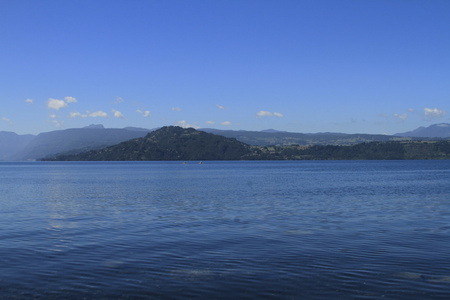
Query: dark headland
x: 184, y: 144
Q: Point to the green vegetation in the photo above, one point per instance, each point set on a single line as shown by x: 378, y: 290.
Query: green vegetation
x: 168, y: 143
x: 363, y: 151
x: 260, y: 138
x: 176, y: 143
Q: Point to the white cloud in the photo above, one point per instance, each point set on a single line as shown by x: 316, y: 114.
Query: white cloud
x: 77, y: 115
x: 118, y: 114
x: 411, y: 109
x: 145, y: 113
x: 263, y: 113
x: 98, y: 114
x: 176, y: 108
x: 29, y: 101
x: 70, y: 99
x: 226, y: 123
x: 401, y: 117
x: 278, y: 115
x: 118, y: 100
x: 220, y: 107
x: 53, y: 116
x: 56, y: 104
x: 434, y: 113
x: 184, y: 124
x: 210, y: 122
x: 7, y: 120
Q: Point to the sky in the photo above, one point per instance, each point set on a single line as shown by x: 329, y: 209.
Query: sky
x: 350, y: 66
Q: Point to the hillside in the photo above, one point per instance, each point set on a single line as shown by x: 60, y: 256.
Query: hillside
x: 407, y: 150
x: 441, y: 130
x: 176, y: 143
x: 282, y: 138
x: 74, y: 140
x: 94, y: 137
x: 12, y: 143
x: 168, y: 143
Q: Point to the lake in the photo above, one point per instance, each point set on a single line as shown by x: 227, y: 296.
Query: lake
x: 225, y: 230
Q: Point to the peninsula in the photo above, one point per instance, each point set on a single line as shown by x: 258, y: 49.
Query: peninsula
x: 183, y: 144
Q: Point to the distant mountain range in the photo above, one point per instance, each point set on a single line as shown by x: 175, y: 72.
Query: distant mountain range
x: 434, y: 131
x: 14, y: 147
x: 187, y: 144
x: 282, y: 138
x: 11, y: 144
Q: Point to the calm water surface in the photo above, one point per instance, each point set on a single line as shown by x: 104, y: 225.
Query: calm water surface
x: 274, y: 230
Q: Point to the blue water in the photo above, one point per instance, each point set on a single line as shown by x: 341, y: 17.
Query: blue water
x: 225, y: 230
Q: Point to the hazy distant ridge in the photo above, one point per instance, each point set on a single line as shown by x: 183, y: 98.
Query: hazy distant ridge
x: 75, y: 140
x: 12, y: 143
x: 281, y: 138
x: 176, y: 143
x: 72, y: 140
x: 433, y: 131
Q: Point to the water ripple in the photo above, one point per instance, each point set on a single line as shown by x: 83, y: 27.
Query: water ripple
x: 286, y: 230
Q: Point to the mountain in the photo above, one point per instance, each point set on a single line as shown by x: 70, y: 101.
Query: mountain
x: 272, y: 130
x: 393, y: 150
x: 176, y: 143
x: 282, y: 138
x: 12, y: 143
x: 433, y: 131
x: 168, y: 143
x: 71, y: 141
x: 74, y: 140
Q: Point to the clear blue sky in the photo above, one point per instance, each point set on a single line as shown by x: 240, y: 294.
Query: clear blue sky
x: 302, y: 66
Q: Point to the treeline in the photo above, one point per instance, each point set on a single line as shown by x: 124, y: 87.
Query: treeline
x: 167, y: 143
x: 176, y: 143
x: 364, y: 151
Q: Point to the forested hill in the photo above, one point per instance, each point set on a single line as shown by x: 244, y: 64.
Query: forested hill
x: 407, y: 150
x: 168, y: 143
x: 176, y: 143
